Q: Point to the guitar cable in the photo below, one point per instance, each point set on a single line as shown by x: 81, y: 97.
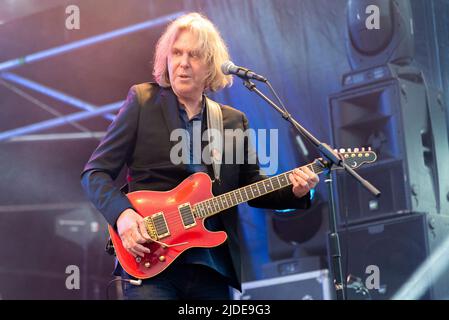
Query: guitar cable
x: 131, y: 281
x: 109, y: 248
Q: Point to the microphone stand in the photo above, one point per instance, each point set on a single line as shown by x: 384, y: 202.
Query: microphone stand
x: 332, y: 159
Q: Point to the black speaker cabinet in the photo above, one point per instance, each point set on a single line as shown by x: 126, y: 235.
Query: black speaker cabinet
x: 397, y: 247
x: 404, y: 124
x: 301, y: 233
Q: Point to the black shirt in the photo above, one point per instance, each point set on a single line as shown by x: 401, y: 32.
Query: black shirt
x: 217, y: 258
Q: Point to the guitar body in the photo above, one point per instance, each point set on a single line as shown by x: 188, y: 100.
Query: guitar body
x: 194, y: 189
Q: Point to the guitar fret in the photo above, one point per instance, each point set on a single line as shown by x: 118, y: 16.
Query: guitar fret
x: 225, y: 204
x: 263, y: 185
x: 222, y: 201
x: 197, y: 210
x: 245, y: 197
x: 216, y: 205
x: 276, y: 182
x: 218, y: 202
x: 204, y: 209
x: 234, y: 202
x: 228, y: 200
x: 255, y: 190
x: 209, y: 208
x: 201, y: 210
x: 206, y: 213
x: 212, y: 205
x: 268, y: 185
x: 286, y: 181
x: 248, y: 196
x: 315, y: 168
x: 252, y: 195
x: 258, y: 187
x: 238, y: 196
x: 282, y: 180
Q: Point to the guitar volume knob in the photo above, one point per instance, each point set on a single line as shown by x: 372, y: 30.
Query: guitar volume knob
x: 161, y: 258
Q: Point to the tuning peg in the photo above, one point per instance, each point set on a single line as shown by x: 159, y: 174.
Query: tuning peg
x: 363, y: 149
x: 336, y: 150
x: 356, y: 150
x: 342, y: 150
x: 369, y: 148
x: 349, y: 150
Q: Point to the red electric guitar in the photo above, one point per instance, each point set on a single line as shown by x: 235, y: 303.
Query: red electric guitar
x: 175, y: 218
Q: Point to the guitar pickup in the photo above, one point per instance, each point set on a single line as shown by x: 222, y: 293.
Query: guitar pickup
x: 188, y: 219
x: 160, y: 225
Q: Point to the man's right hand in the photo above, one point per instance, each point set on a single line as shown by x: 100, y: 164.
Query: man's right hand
x: 131, y: 229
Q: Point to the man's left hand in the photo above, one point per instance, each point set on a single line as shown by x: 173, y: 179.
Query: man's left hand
x: 303, y: 179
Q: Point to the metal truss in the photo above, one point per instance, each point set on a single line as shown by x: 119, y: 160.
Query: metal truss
x: 9, y: 79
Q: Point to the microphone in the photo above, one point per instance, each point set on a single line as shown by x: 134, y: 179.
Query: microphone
x: 230, y: 68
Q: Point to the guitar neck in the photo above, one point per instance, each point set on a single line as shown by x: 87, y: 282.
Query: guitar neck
x: 233, y: 198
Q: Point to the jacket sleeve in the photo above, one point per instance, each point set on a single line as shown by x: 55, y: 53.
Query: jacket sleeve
x: 108, y: 159
x: 250, y: 173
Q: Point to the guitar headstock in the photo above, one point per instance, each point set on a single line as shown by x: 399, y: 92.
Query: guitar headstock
x: 356, y: 157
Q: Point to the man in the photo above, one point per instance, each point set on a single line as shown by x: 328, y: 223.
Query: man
x: 187, y: 64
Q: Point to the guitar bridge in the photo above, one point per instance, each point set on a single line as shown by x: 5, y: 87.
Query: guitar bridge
x: 151, y: 229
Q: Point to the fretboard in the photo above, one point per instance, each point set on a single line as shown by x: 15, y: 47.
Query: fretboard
x: 230, y: 199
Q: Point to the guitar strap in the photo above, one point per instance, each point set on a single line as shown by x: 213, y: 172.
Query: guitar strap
x: 215, y: 135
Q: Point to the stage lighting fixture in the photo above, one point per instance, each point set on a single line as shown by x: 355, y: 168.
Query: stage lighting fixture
x: 391, y: 42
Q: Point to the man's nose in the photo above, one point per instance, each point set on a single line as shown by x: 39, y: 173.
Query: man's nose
x: 185, y: 60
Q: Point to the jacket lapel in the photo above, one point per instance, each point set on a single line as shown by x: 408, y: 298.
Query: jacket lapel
x: 170, y: 112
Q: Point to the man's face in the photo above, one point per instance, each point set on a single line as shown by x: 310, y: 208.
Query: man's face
x: 186, y: 68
